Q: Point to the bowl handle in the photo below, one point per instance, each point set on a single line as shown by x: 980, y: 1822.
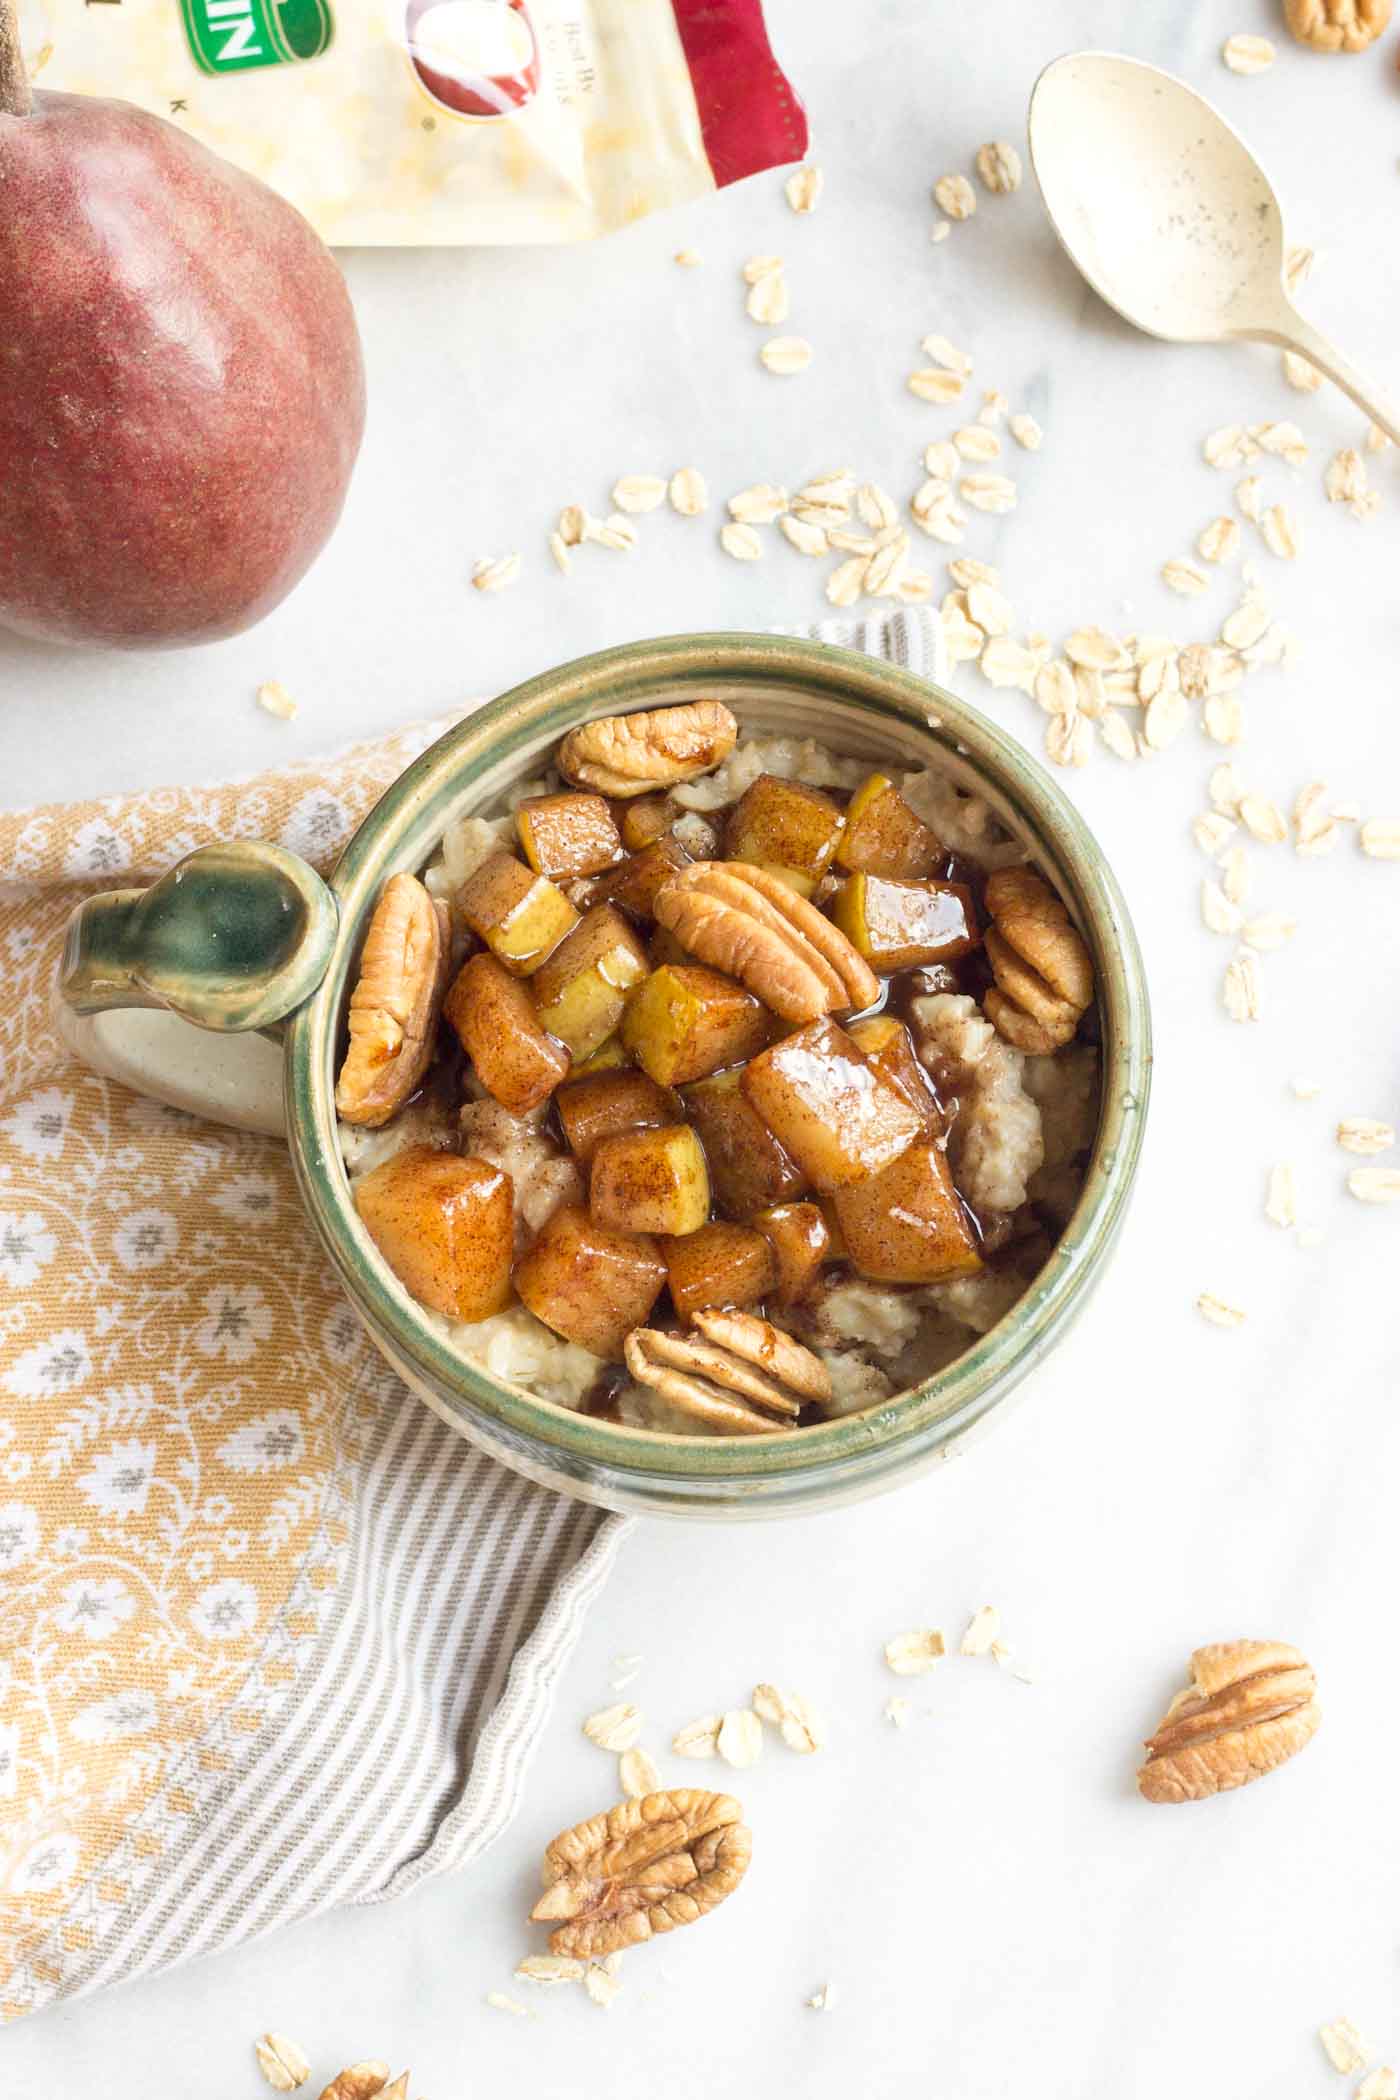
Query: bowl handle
x: 230, y: 942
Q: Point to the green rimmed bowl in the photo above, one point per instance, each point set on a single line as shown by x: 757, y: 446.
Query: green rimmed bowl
x: 859, y: 706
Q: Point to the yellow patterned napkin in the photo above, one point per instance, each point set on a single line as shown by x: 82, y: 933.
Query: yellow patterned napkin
x: 234, y: 1551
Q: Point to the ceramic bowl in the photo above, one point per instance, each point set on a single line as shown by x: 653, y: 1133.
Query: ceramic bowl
x: 143, y: 950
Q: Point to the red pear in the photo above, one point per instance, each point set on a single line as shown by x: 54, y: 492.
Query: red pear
x: 181, y: 388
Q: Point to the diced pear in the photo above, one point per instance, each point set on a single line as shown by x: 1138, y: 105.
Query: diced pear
x: 521, y: 916
x: 781, y: 823
x: 650, y: 1181
x: 663, y: 947
x: 581, y: 991
x: 634, y: 885
x: 801, y: 885
x: 589, y: 1283
x: 828, y: 1107
x: 686, y: 1022
x: 608, y: 1057
x: 644, y: 820
x: 801, y: 1240
x: 601, y: 1104
x: 903, y: 925
x: 445, y: 1225
x: 748, y: 1167
x: 494, y: 1016
x: 888, y: 1045
x: 568, y: 836
x: 883, y: 836
x: 721, y: 1264
x: 906, y: 1225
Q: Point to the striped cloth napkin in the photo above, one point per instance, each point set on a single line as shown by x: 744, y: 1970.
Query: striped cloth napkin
x: 272, y: 1638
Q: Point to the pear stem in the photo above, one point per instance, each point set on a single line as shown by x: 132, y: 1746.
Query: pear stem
x: 15, y: 97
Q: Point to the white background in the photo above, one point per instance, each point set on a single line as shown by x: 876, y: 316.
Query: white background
x: 998, y: 1912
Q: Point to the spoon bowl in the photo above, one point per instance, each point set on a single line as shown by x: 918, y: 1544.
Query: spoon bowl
x: 1164, y: 210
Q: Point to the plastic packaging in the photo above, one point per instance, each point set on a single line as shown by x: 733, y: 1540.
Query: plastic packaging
x: 423, y: 122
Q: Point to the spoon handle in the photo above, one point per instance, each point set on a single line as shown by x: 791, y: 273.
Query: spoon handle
x: 1294, y: 333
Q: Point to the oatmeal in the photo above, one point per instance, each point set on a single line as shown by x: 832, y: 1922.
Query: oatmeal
x: 719, y: 1084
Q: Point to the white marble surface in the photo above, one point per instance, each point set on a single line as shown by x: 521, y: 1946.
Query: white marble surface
x: 997, y: 1911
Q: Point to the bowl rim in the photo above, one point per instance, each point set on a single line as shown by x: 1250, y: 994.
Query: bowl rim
x: 664, y: 671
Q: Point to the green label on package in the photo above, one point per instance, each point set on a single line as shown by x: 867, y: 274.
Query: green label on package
x: 229, y: 36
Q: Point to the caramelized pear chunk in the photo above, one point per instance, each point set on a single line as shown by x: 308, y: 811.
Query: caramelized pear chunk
x: 721, y: 1264
x: 686, y: 1022
x: 517, y: 1062
x: 601, y: 1104
x: 521, y: 916
x: 644, y: 821
x: 581, y: 991
x: 781, y: 824
x: 888, y: 1045
x: 650, y: 1181
x: 748, y: 1167
x: 906, y: 1225
x: 904, y: 925
x: 588, y: 1282
x: 634, y: 885
x: 608, y: 1057
x: 802, y: 1242
x: 567, y: 836
x: 829, y: 1107
x: 445, y: 1226
x: 883, y: 836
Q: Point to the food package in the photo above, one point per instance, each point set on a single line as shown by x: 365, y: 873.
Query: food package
x: 427, y: 122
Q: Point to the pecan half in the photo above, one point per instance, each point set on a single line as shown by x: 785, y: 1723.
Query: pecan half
x: 641, y: 1869
x: 366, y: 2081
x: 1337, y: 25
x: 1044, y: 978
x: 394, y: 1006
x: 1250, y: 1705
x: 748, y: 923
x: 734, y: 1376
x: 624, y: 755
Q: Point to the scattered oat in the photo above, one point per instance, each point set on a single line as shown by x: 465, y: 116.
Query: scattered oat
x: 804, y: 536
x: 1380, y: 838
x: 740, y: 1738
x: 982, y: 1630
x: 1118, y: 737
x: 1240, y: 989
x: 940, y: 351
x: 1249, y: 498
x: 559, y: 552
x: 614, y: 1727
x: 1300, y: 373
x: 549, y: 1968
x: 1222, y: 718
x: 885, y: 568
x: 803, y: 188
x: 1365, y: 1135
x: 574, y: 522
x: 786, y: 355
x: 1376, y: 438
x: 934, y: 383
x: 1346, y: 479
x: 988, y: 609
x: 1281, y: 1197
x: 1380, y: 2084
x: 941, y: 459
x: 795, y: 1718
x: 1375, y: 1184
x: 1005, y: 662
x: 282, y: 2062
x: 1069, y: 740
x: 1234, y: 863
x: 637, y: 1774
x: 965, y: 570
x: 1283, y: 440
x: 638, y: 493
x: 615, y: 532
x: 955, y: 196
x: 897, y: 1712
x: 1225, y: 790
x: 1306, y: 1089
x: 1212, y: 831
x: 740, y: 541
x: 915, y: 587
x: 698, y: 1738
x: 1246, y: 625
x: 875, y: 507
x: 1269, y: 931
x: 1055, y: 688
x: 1315, y: 825
x: 688, y: 492
x: 499, y: 2002
x: 274, y: 699
x: 999, y: 167
x: 822, y: 2000
x: 914, y: 1654
x: 1165, y: 718
x: 976, y: 442
x: 989, y: 492
x: 688, y: 258
x: 1095, y: 650
x: 768, y: 300
x: 1219, y: 1311
x: 759, y: 504
x: 994, y: 406
x: 1183, y: 576
x: 1264, y: 820
x: 937, y: 514
x: 601, y: 1983
x: 939, y: 231
x: 1220, y: 541
x: 1229, y: 446
x: 1217, y: 912
x: 761, y: 266
x: 490, y: 574
x: 1346, y: 2052
x: 847, y: 580
x: 1248, y: 54
x: 1027, y: 432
